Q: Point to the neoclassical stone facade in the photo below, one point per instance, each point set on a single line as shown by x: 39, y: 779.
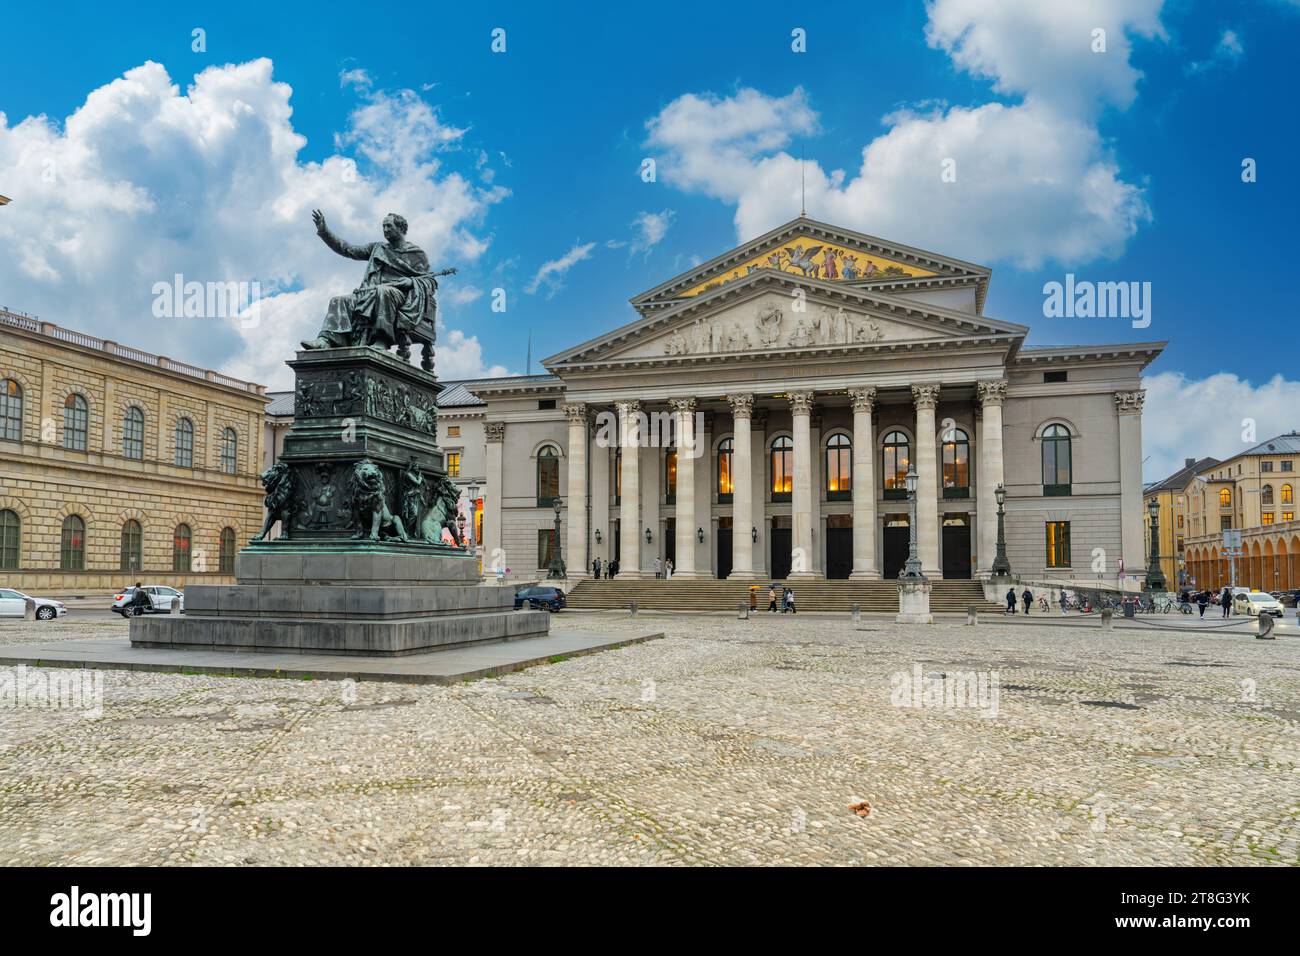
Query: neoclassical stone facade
x: 758, y: 418
x: 116, y: 463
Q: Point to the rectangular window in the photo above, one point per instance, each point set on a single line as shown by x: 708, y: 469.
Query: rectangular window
x: 1265, y: 466
x: 545, y: 542
x: 1225, y: 523
x: 453, y: 431
x: 1288, y: 516
x: 1266, y: 517
x: 453, y: 464
x: 1056, y: 376
x: 1058, y: 544
x: 1288, y: 465
x: 545, y: 404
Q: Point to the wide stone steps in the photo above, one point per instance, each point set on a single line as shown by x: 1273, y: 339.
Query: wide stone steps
x: 712, y: 595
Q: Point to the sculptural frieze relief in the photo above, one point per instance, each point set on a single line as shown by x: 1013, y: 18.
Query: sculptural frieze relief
x: 771, y: 328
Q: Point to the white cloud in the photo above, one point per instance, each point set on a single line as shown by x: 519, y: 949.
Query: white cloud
x: 1227, y: 53
x: 1195, y: 418
x: 1034, y: 180
x: 552, y: 273
x: 145, y: 181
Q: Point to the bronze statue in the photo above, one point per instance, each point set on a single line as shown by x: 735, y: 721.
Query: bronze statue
x: 279, y: 500
x: 442, y: 511
x: 370, y: 515
x: 396, y: 302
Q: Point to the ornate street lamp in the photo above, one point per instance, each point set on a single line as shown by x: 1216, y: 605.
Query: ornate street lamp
x: 912, y: 569
x: 1001, y: 566
x: 556, y: 568
x: 473, y: 509
x: 1155, y: 577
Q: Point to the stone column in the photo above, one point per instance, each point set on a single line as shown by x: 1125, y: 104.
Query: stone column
x: 1132, y: 527
x: 742, y: 487
x: 684, y: 424
x: 494, y: 557
x: 577, y: 560
x: 864, y: 486
x: 801, y: 511
x: 927, y: 479
x: 991, y: 470
x: 629, y: 509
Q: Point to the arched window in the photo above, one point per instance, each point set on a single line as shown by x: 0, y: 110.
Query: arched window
x: 1288, y: 495
x: 132, y: 545
x: 133, y: 433
x: 1225, y: 497
x: 229, y: 450
x: 726, y: 485
x: 1056, y: 460
x: 839, y: 467
x: 548, y: 476
x: 184, y: 443
x: 11, y: 527
x: 896, y: 456
x: 75, y: 415
x: 72, y: 548
x: 226, y: 555
x: 670, y: 476
x: 1266, y: 495
x: 956, y: 464
x: 11, y: 410
x: 182, y: 539
x: 782, y: 456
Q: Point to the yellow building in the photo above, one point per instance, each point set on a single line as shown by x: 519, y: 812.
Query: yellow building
x: 1255, y: 493
x: 1171, y: 496
x: 118, y: 464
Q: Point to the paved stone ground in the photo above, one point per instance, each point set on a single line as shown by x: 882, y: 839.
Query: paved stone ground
x: 728, y: 742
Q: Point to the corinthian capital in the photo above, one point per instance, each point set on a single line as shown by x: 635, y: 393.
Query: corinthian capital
x: 742, y: 405
x: 682, y: 406
x: 1130, y: 403
x: 576, y: 412
x: 801, y: 403
x: 992, y: 393
x: 627, y: 409
x: 925, y: 396
x: 494, y: 431
x: 864, y: 399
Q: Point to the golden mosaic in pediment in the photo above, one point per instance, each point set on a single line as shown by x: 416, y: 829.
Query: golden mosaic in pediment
x: 815, y: 259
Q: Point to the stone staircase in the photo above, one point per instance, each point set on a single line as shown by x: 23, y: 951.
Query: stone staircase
x: 708, y: 594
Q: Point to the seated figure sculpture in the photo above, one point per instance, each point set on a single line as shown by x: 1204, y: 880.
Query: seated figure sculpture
x: 396, y: 301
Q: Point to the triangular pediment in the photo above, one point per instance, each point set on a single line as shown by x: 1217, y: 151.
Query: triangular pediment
x: 770, y: 311
x: 814, y: 250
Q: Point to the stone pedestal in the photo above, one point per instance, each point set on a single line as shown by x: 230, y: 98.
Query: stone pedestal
x: 914, y: 603
x: 363, y: 446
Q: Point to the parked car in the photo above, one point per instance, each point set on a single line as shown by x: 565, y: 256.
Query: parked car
x: 552, y: 599
x: 1255, y: 603
x: 162, y: 600
x: 1289, y: 598
x: 14, y: 604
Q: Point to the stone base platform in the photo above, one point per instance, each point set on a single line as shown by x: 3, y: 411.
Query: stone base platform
x: 376, y: 602
x: 466, y: 662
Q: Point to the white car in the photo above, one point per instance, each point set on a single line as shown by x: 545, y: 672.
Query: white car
x: 162, y: 599
x: 1256, y: 603
x: 14, y: 604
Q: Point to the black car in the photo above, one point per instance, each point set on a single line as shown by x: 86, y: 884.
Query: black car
x: 552, y: 599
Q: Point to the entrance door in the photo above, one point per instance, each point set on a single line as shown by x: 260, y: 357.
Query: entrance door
x: 613, y: 555
x: 839, y: 546
x: 724, y: 552
x: 956, y: 546
x: 895, y: 546
x: 782, y: 541
x: 670, y: 540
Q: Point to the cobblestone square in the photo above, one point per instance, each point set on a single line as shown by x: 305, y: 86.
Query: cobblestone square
x: 726, y: 742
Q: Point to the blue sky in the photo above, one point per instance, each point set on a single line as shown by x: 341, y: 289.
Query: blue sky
x: 1121, y: 165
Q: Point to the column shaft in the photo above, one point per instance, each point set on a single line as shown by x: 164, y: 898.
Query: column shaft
x: 927, y: 479
x: 864, y: 486
x: 576, y: 558
x: 742, y: 487
x: 687, y: 449
x: 801, y: 511
x: 629, y: 509
x: 493, y: 513
x: 991, y: 471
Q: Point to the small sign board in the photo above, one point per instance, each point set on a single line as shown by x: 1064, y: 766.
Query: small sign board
x: 1232, y: 538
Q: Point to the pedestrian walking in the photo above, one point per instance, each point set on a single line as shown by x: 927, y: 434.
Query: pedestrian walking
x: 659, y: 568
x: 1226, y: 600
x: 1011, y: 600
x: 1203, y: 601
x: 668, y: 569
x: 595, y: 569
x: 753, y: 598
x: 1028, y: 598
x: 613, y: 568
x: 787, y: 601
x: 771, y: 599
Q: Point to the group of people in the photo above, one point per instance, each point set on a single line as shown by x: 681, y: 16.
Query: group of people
x: 610, y: 568
x: 1027, y: 596
x: 1203, y: 599
x: 664, y: 569
x: 782, y: 599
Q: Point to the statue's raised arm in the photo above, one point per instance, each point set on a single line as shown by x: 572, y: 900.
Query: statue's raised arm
x: 395, y: 303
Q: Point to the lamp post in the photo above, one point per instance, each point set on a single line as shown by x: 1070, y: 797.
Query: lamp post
x: 556, y: 568
x: 473, y: 525
x: 912, y: 569
x: 1001, y: 566
x: 1155, y: 577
